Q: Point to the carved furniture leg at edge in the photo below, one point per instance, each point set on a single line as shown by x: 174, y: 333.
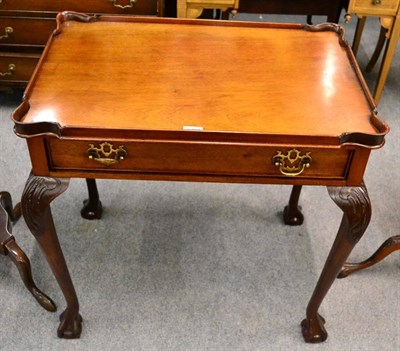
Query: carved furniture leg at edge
x: 39, y: 192
x: 92, y: 207
x: 356, y: 207
x: 390, y: 245
x: 8, y: 246
x: 292, y: 213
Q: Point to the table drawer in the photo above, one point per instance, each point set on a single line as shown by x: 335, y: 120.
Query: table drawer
x: 139, y: 7
x: 374, y: 7
x: 17, y: 68
x: 25, y: 31
x: 196, y: 158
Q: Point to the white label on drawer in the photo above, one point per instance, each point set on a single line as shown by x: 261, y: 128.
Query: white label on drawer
x: 192, y: 128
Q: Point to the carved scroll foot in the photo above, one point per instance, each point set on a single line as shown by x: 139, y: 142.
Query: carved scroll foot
x: 39, y: 192
x: 292, y: 213
x: 92, y: 207
x: 70, y: 325
x: 356, y: 207
x: 313, y: 329
x: 390, y: 245
x: 9, y: 247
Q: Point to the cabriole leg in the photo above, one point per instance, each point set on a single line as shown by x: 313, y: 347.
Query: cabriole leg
x: 390, y: 245
x: 92, y: 208
x: 9, y: 247
x: 292, y: 214
x: 356, y: 207
x: 39, y: 192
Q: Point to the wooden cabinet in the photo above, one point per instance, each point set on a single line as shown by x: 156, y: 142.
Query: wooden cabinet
x: 25, y: 26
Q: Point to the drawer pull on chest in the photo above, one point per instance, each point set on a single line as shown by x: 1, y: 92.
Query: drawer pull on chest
x: 131, y: 3
x: 292, y: 163
x: 376, y: 2
x: 7, y: 32
x: 11, y: 70
x: 106, y: 154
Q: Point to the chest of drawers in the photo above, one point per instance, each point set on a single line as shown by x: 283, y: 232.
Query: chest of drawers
x: 25, y: 26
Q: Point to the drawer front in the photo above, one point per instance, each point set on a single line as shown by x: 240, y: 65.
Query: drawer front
x: 17, y: 68
x: 374, y: 7
x: 139, y: 7
x: 25, y: 31
x: 198, y: 159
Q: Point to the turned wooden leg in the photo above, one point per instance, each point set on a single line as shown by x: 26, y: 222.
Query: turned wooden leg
x: 356, y: 207
x: 292, y: 213
x: 390, y: 245
x: 39, y: 192
x: 9, y: 247
x: 92, y: 208
x: 378, y: 49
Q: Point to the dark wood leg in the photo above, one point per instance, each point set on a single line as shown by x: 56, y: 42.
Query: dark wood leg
x: 92, y: 208
x: 378, y: 49
x: 356, y: 207
x: 225, y: 15
x: 292, y: 213
x: 390, y: 245
x: 39, y: 192
x: 9, y: 247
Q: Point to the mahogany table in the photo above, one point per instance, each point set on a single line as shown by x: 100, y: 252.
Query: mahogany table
x: 192, y: 100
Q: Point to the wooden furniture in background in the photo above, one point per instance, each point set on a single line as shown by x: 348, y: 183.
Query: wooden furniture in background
x: 390, y: 245
x: 194, y: 8
x: 198, y: 117
x: 8, y: 247
x: 25, y: 26
x: 388, y: 11
x: 331, y: 9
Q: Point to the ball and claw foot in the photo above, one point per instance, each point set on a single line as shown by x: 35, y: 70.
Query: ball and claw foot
x: 313, y: 329
x: 70, y: 326
x: 293, y: 217
x: 92, y: 210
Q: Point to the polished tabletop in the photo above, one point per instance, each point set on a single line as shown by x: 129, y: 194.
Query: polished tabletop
x: 225, y: 76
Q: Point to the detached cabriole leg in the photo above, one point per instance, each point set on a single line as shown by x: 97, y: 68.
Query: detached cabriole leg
x: 9, y: 247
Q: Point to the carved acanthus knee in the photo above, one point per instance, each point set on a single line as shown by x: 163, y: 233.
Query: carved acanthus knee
x: 39, y: 192
x: 356, y: 207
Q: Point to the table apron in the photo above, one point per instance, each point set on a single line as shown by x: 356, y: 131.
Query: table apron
x: 188, y: 161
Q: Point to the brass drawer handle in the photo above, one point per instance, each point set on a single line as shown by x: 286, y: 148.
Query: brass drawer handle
x: 292, y: 163
x: 131, y: 3
x: 106, y: 154
x: 7, y: 31
x: 376, y: 2
x: 11, y: 70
